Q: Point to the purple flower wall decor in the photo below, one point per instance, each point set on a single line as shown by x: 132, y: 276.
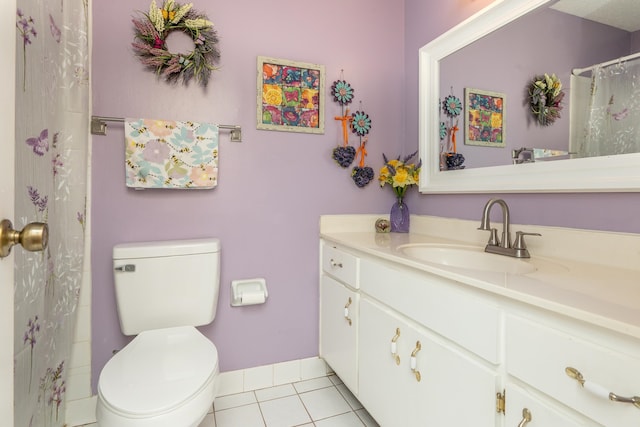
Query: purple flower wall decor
x: 342, y: 92
x: 361, y: 123
x: 39, y: 144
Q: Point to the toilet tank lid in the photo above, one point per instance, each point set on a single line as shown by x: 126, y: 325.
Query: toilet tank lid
x: 166, y: 248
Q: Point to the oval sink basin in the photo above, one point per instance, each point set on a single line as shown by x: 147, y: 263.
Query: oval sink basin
x: 469, y: 257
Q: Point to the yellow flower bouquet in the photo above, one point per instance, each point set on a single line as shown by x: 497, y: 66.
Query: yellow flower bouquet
x: 400, y: 174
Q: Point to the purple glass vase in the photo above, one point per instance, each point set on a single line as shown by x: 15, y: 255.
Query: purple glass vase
x: 399, y: 217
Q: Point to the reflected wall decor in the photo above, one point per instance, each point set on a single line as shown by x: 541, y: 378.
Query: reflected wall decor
x: 290, y: 96
x: 485, y: 114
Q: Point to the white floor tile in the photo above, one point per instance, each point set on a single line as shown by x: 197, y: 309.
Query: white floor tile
x: 234, y: 400
x: 284, y: 412
x: 314, y: 384
x: 324, y: 403
x: 242, y: 416
x: 345, y: 420
x: 325, y: 400
x: 275, y: 392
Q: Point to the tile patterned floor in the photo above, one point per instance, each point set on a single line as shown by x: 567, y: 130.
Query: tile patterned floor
x: 319, y: 402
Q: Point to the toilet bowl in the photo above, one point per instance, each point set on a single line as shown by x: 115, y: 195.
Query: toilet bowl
x: 167, y: 375
x: 163, y: 378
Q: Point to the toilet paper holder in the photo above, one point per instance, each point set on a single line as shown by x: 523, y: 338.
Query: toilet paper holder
x: 248, y: 292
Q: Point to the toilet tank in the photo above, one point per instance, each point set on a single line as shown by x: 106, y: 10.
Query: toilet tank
x: 166, y: 284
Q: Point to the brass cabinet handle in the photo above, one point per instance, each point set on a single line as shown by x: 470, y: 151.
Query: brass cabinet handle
x: 599, y: 390
x: 34, y: 237
x: 414, y: 361
x: 526, y: 417
x: 346, y: 311
x: 394, y: 347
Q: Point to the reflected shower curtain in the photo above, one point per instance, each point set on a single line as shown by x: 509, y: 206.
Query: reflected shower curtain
x: 612, y: 119
x: 52, y: 107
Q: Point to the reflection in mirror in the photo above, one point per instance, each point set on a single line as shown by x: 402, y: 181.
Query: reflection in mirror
x: 503, y: 50
x: 545, y: 40
x: 607, y: 122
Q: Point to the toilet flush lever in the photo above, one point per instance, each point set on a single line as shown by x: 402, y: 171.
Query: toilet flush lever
x: 128, y: 268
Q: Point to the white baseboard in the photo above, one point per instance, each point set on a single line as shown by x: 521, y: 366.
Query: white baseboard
x: 250, y: 379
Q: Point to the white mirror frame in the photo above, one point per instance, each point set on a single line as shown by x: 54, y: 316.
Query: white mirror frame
x: 594, y: 174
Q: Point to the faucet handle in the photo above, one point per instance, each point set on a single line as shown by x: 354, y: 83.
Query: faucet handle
x: 519, y: 242
x: 493, y: 238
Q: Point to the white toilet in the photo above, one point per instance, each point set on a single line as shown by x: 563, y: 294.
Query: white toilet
x: 167, y: 375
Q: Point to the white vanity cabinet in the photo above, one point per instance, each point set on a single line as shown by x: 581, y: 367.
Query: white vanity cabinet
x: 339, y: 313
x: 379, y: 341
x: 422, y: 349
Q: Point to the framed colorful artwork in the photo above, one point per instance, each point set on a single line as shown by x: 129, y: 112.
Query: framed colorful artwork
x: 290, y: 96
x: 485, y: 113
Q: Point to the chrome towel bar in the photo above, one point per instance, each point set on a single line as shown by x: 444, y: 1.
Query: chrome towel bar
x: 99, y: 127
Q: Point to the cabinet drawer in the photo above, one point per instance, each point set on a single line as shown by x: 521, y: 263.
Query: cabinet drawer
x: 542, y: 411
x: 538, y: 355
x: 439, y: 304
x: 340, y: 264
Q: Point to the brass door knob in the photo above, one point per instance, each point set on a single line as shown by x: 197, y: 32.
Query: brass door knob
x: 34, y: 237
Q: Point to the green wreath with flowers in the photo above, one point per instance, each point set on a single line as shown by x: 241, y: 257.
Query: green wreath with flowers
x: 152, y: 30
x: 545, y: 98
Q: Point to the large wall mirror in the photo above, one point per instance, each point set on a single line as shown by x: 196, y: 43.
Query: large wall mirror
x: 499, y: 51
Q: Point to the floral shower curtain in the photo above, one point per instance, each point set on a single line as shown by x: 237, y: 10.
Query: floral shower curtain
x: 52, y: 107
x: 612, y: 120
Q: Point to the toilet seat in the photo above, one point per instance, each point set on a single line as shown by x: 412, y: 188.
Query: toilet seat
x: 157, y: 372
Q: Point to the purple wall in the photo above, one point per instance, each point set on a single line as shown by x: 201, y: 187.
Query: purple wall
x: 425, y: 20
x: 273, y: 186
x: 635, y: 41
x: 500, y: 65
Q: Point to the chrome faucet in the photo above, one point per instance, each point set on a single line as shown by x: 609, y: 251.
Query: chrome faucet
x: 503, y: 246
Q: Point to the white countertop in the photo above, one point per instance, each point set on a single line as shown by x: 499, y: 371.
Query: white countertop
x: 604, y: 291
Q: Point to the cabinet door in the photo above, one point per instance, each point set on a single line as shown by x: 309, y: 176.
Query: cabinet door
x: 541, y: 411
x: 338, y: 330
x: 382, y: 375
x: 455, y: 387
x: 442, y: 387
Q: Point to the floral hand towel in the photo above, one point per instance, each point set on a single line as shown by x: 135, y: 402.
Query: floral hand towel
x: 171, y: 154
